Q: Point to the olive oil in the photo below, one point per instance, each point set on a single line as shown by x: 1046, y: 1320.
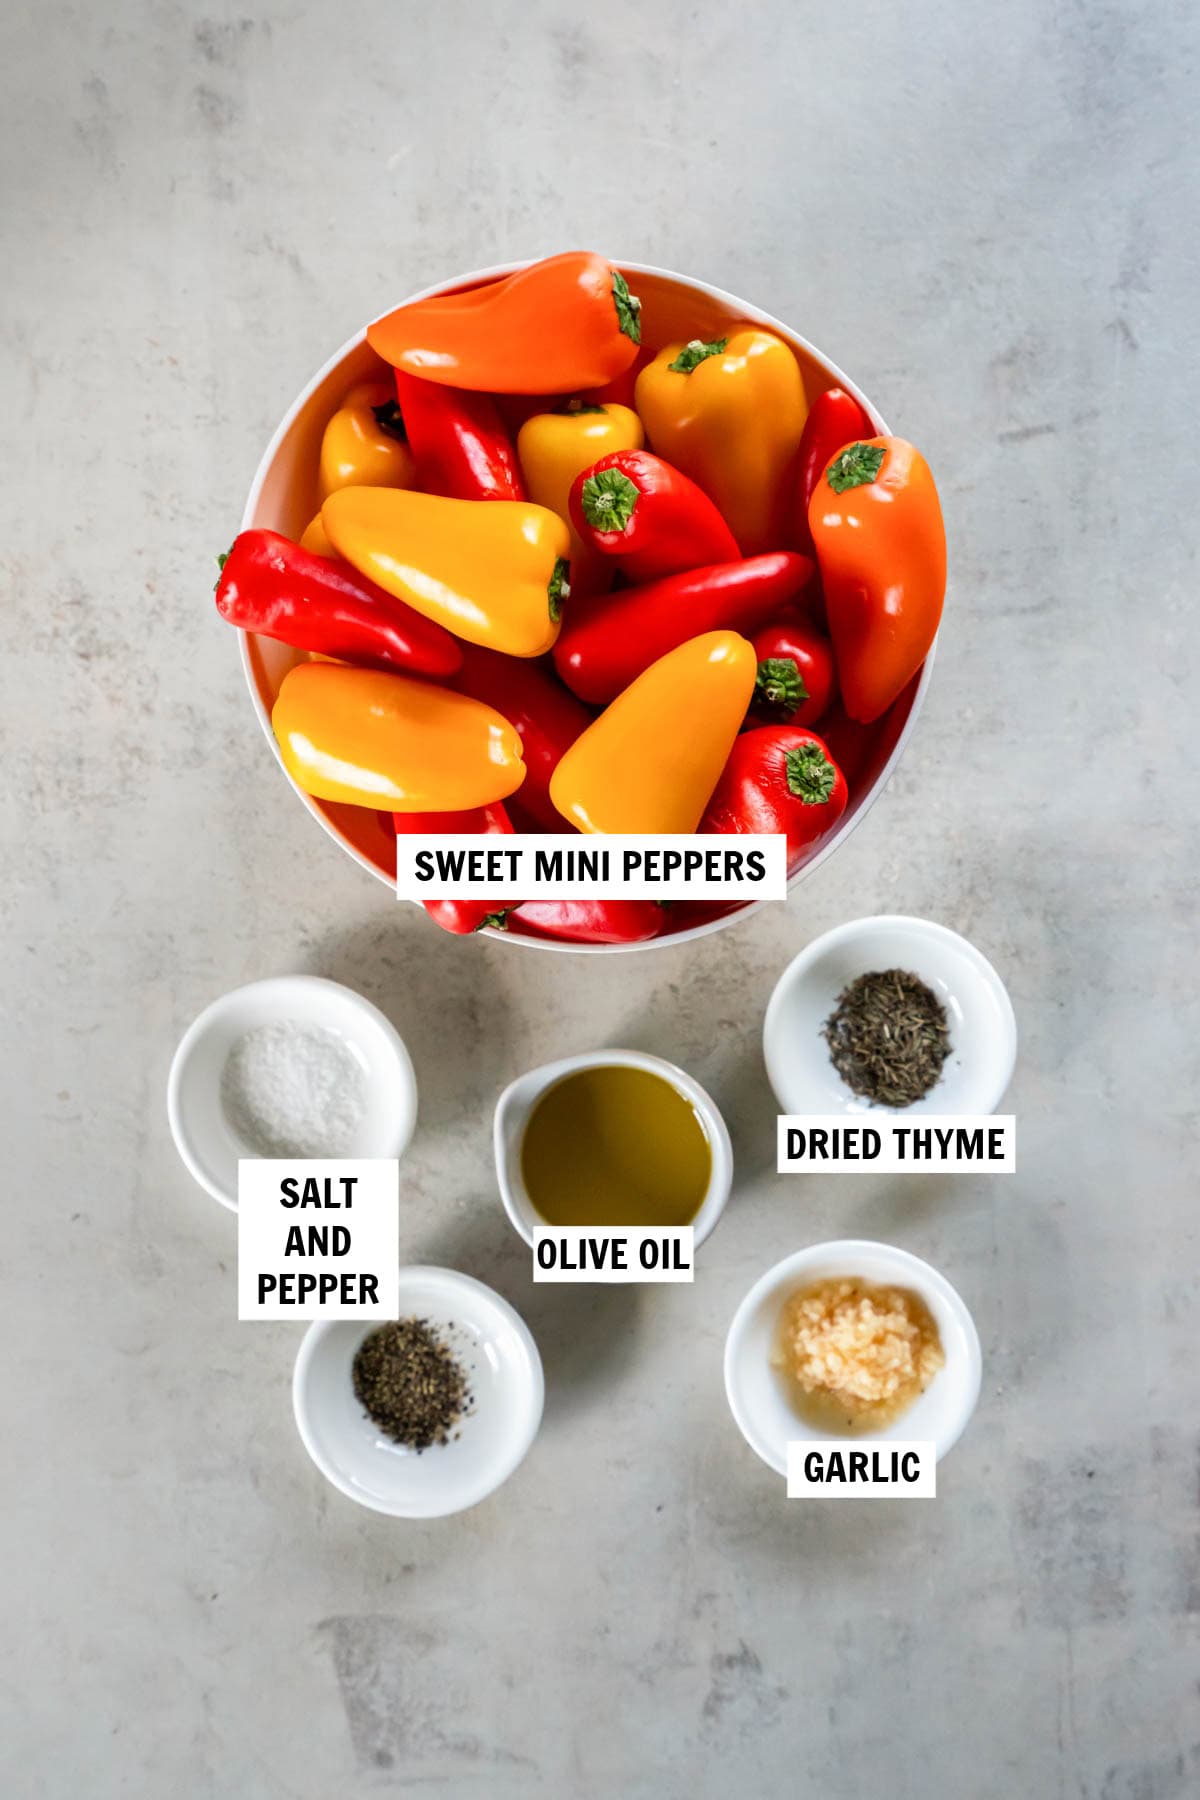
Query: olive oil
x: 615, y: 1146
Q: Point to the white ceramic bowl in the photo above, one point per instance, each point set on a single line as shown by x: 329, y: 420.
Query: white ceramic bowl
x: 205, y: 1138
x: 283, y: 496
x: 758, y: 1392
x: 504, y: 1374
x: 983, y: 1029
x: 519, y: 1097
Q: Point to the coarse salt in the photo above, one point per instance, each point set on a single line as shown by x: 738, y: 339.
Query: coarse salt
x: 292, y: 1088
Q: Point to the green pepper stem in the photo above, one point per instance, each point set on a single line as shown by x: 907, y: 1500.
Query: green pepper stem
x: 809, y: 774
x: 695, y: 352
x: 628, y: 308
x: 855, y: 466
x: 608, y: 499
x: 558, y: 589
x: 779, y: 687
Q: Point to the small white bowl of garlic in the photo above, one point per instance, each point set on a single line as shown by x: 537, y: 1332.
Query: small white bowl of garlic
x: 882, y: 1316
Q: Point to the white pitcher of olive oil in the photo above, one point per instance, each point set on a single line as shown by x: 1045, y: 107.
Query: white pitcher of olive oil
x: 612, y: 1137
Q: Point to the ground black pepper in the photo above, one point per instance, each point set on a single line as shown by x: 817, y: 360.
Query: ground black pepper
x: 888, y: 1037
x: 411, y: 1384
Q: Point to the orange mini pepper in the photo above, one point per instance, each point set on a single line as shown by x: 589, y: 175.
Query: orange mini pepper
x: 370, y: 738
x: 652, y: 759
x: 495, y: 573
x: 565, y: 323
x: 730, y: 413
x: 877, y: 526
x: 364, y: 443
x: 555, y: 447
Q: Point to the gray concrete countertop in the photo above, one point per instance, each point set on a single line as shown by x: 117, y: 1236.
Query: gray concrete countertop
x: 987, y: 223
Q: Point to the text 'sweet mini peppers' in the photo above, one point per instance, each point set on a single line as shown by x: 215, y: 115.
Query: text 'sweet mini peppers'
x: 460, y: 445
x: 272, y: 586
x: 881, y: 545
x: 633, y: 506
x: 651, y: 760
x: 729, y: 413
x: 392, y: 743
x: 565, y: 323
x: 495, y: 574
x: 364, y: 443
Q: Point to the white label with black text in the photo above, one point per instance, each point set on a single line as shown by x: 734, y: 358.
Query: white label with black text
x: 911, y: 1144
x: 318, y: 1238
x: 835, y: 1468
x: 564, y: 866
x: 625, y: 1253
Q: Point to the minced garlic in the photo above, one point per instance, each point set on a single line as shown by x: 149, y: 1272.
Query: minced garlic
x: 858, y: 1355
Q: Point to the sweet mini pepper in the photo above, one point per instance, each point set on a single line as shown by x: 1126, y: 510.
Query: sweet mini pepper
x: 651, y: 760
x: 388, y: 742
x: 590, y: 921
x: 460, y: 444
x: 729, y: 413
x: 565, y: 323
x: 554, y: 447
x: 779, y: 778
x: 495, y: 574
x: 881, y: 545
x: 605, y: 644
x: 272, y: 586
x: 796, y: 678
x: 834, y: 418
x: 633, y: 506
x: 364, y: 444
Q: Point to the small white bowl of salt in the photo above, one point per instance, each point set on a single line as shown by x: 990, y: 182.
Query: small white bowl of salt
x: 294, y: 1066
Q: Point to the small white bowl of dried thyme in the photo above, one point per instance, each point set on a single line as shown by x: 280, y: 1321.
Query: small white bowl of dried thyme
x: 426, y: 1414
x: 890, y: 1012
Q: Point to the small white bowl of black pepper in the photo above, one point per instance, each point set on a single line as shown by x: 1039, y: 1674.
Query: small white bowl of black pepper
x: 429, y: 1413
x: 890, y: 1013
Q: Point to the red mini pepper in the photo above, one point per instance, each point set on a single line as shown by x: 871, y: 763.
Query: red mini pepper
x: 779, y: 778
x: 459, y: 442
x: 834, y: 418
x: 796, y: 677
x: 606, y: 642
x: 546, y: 718
x: 592, y: 921
x: 462, y: 917
x: 634, y: 506
x: 270, y: 585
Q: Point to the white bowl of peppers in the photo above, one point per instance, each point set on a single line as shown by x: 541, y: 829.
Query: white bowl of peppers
x: 706, y: 537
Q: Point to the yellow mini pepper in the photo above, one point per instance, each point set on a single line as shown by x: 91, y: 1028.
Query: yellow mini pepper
x: 652, y: 759
x: 369, y: 738
x: 492, y: 572
x: 364, y: 443
x: 729, y: 413
x: 556, y: 447
x: 314, y: 538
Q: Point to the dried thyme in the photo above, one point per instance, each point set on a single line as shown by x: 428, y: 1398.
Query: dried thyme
x: 888, y: 1037
x: 410, y: 1383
